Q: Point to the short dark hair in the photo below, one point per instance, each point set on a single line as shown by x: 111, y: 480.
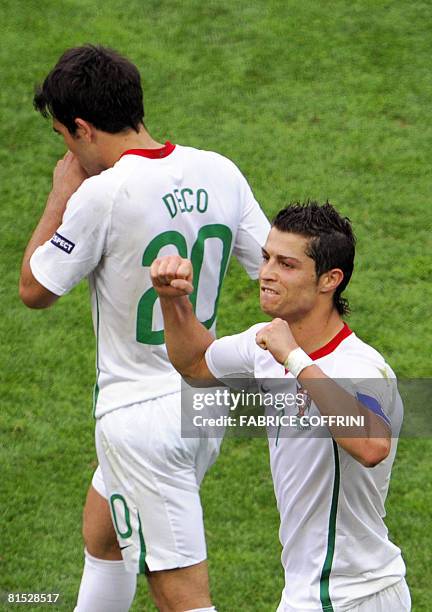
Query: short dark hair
x: 332, y: 240
x: 96, y: 84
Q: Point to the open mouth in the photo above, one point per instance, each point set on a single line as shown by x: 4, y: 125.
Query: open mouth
x: 269, y: 291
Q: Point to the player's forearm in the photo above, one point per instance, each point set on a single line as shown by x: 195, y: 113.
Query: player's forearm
x: 186, y: 338
x: 30, y: 290
x: 368, y: 443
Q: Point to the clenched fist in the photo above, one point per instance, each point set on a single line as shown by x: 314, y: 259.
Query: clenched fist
x: 277, y: 338
x: 172, y: 276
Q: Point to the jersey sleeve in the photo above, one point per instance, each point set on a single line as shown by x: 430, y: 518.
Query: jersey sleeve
x: 233, y: 356
x: 379, y: 394
x: 375, y: 387
x: 252, y: 232
x: 79, y: 243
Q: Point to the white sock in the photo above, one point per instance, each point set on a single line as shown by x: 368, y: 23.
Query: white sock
x: 212, y: 609
x: 106, y: 586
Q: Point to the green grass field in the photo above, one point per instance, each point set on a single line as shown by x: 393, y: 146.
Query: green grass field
x: 311, y: 99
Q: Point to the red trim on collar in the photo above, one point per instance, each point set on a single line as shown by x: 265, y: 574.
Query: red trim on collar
x: 164, y: 151
x: 330, y: 346
x: 334, y: 343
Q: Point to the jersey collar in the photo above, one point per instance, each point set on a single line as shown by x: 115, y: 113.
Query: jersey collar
x: 330, y: 346
x: 164, y: 151
x: 333, y: 344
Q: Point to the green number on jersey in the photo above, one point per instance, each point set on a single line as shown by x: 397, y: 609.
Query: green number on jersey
x: 145, y: 334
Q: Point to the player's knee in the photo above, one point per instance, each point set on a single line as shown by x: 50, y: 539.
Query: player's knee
x: 99, y: 536
x: 98, y: 530
x: 167, y: 601
x: 159, y: 600
x: 180, y: 589
x: 100, y: 541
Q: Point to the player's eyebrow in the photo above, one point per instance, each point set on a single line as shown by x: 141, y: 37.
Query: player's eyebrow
x: 288, y: 258
x: 281, y: 257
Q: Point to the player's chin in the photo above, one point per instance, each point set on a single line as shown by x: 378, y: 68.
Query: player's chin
x: 270, y: 304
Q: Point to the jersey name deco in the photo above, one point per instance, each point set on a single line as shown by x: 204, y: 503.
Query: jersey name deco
x: 62, y: 243
x: 186, y: 200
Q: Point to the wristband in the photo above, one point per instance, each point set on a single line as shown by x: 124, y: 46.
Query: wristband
x: 297, y: 361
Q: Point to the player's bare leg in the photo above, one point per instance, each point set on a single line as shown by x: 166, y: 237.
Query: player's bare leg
x: 99, y: 535
x: 174, y: 590
x: 179, y: 590
x: 106, y: 586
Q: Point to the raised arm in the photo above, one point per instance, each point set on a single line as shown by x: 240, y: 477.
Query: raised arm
x: 369, y: 444
x: 68, y: 176
x: 186, y: 338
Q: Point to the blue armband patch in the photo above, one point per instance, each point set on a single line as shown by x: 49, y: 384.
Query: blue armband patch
x: 372, y: 404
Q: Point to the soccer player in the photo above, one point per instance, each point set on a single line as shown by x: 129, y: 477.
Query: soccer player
x: 119, y: 199
x: 330, y: 490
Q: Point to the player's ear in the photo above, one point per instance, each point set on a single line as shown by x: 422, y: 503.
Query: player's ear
x: 330, y: 280
x: 85, y: 129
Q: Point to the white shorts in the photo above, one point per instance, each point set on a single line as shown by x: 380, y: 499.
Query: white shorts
x: 98, y: 482
x: 151, y: 478
x: 395, y: 598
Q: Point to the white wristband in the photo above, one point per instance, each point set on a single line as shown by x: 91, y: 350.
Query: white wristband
x: 297, y: 361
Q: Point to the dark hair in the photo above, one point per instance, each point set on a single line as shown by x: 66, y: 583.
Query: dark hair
x: 331, y: 244
x: 96, y: 84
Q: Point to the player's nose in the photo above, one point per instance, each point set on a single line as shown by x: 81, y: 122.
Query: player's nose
x: 268, y: 270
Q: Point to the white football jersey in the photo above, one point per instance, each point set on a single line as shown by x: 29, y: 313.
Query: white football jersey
x: 174, y: 200
x: 336, y: 550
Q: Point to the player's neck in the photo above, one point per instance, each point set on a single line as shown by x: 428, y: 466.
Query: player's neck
x: 139, y: 140
x: 114, y: 145
x: 316, y: 329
